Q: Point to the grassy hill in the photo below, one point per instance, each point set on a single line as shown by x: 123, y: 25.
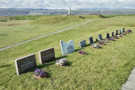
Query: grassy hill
x: 104, y: 69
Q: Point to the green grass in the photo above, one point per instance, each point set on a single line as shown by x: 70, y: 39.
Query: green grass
x: 104, y: 69
x: 15, y: 31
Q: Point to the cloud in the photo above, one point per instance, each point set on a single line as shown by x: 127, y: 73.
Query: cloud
x: 67, y: 3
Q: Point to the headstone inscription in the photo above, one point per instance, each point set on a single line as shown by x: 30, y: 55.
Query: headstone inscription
x: 67, y: 48
x: 47, y: 55
x: 25, y: 64
x: 91, y: 41
x: 83, y: 43
x: 100, y: 37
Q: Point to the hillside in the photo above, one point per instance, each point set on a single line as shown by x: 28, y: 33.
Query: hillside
x: 102, y: 69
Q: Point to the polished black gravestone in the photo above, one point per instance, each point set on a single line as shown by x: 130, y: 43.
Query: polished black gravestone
x: 25, y: 64
x: 100, y: 37
x: 91, y: 41
x: 113, y: 34
x: 117, y: 32
x: 107, y: 35
x: 83, y: 43
x: 47, y: 55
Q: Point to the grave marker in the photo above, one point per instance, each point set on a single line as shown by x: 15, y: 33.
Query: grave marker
x: 120, y: 31
x: 25, y: 64
x: 91, y: 41
x: 117, y: 32
x: 100, y: 37
x: 47, y: 55
x: 107, y: 35
x: 67, y: 48
x: 123, y: 30
x: 112, y: 34
x: 83, y: 43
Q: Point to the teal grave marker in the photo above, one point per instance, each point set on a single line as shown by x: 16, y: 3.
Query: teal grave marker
x: 83, y: 43
x: 67, y: 48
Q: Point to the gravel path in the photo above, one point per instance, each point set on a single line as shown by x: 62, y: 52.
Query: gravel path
x: 130, y: 84
x: 45, y: 35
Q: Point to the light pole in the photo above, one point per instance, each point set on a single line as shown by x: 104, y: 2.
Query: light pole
x: 69, y: 8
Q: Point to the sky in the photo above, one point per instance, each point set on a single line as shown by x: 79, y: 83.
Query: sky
x: 63, y: 4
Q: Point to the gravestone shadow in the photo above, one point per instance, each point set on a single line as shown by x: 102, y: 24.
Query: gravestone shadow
x: 4, y: 66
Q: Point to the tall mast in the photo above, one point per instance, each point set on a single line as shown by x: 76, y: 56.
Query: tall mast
x: 69, y: 11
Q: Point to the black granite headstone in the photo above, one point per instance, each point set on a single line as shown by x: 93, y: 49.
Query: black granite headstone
x: 25, y: 64
x: 47, y: 55
x: 117, y: 32
x: 112, y: 34
x: 91, y: 41
x: 83, y: 43
x: 100, y: 37
x: 107, y: 35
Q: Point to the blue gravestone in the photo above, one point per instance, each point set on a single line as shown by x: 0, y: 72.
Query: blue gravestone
x: 107, y: 35
x: 67, y: 48
x: 120, y: 31
x: 83, y: 43
x: 100, y: 37
x: 91, y: 41
x: 117, y: 32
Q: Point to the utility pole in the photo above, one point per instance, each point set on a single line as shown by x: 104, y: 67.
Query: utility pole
x: 69, y: 12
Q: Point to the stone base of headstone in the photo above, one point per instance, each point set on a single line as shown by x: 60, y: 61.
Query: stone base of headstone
x: 116, y: 37
x: 101, y: 42
x: 37, y: 77
x: 106, y: 41
x: 112, y: 39
x: 96, y: 45
x: 124, y: 33
x: 121, y: 35
x: 61, y: 62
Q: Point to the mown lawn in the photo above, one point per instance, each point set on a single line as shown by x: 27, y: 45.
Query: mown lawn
x: 103, y: 69
x: 14, y: 31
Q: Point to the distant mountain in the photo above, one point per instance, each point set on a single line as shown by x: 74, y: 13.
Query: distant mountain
x: 31, y: 11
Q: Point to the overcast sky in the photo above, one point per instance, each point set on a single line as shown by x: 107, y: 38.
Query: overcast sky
x: 67, y: 3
